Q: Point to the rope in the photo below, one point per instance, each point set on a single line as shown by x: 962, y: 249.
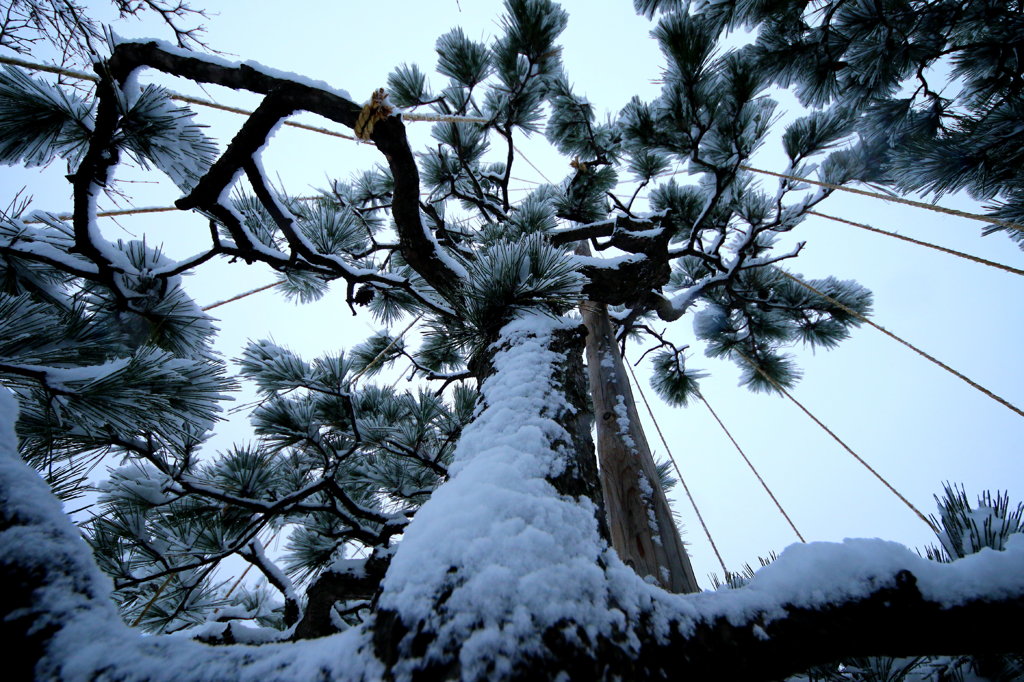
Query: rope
x: 245, y: 112
x: 959, y: 254
x: 13, y: 61
x: 409, y: 116
x: 113, y: 214
x: 836, y: 438
x: 751, y: 465
x: 145, y: 609
x: 246, y: 571
x: 180, y: 98
x: 243, y: 295
x: 373, y: 112
x: 679, y: 473
x: 898, y: 200
x: 530, y: 163
x: 442, y: 118
x: 912, y: 347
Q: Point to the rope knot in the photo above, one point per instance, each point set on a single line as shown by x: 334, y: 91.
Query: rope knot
x: 581, y: 166
x: 377, y: 109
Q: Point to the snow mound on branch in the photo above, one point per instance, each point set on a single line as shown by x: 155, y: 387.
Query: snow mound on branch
x: 54, y: 592
x: 490, y: 564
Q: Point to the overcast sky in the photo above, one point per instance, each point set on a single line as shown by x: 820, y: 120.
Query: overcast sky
x: 917, y: 425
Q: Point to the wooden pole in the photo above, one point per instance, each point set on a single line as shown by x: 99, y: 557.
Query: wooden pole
x: 640, y: 521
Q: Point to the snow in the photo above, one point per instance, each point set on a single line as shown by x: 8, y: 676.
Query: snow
x: 176, y: 144
x: 114, y: 256
x: 647, y: 496
x: 137, y: 480
x: 443, y: 255
x: 523, y: 557
x: 607, y: 263
x: 34, y: 241
x: 224, y: 200
x: 298, y: 78
x: 709, y: 322
x: 228, y: 64
x: 513, y: 557
x: 622, y: 422
x: 282, y: 580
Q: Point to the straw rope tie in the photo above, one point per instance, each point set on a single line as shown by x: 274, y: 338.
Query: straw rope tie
x: 377, y: 109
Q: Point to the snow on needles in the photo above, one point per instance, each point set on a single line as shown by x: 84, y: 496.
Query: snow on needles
x: 54, y: 593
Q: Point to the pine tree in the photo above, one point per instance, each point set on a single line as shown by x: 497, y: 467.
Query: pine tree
x: 935, y: 87
x: 456, y: 531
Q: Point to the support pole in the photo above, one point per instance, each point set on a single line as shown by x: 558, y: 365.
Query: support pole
x: 640, y: 521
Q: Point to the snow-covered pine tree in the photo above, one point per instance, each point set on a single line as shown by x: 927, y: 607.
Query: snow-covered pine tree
x: 457, y: 532
x: 935, y: 87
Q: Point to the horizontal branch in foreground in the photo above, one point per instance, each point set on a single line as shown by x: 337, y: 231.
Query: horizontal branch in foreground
x: 816, y: 603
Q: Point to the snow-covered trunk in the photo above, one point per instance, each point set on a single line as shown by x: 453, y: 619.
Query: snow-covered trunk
x: 504, y: 574
x: 507, y: 562
x: 640, y: 520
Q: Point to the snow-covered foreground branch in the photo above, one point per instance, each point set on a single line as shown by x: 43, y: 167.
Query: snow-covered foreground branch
x: 505, y: 573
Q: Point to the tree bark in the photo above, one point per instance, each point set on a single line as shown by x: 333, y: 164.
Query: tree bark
x: 642, y: 528
x: 820, y: 602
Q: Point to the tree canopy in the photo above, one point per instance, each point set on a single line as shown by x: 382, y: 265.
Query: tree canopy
x: 457, y: 530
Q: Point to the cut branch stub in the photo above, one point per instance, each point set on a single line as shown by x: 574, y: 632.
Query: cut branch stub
x: 627, y: 280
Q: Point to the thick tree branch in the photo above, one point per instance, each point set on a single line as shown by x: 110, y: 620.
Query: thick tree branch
x: 816, y: 603
x: 356, y: 583
x: 254, y: 554
x: 893, y: 620
x: 285, y: 97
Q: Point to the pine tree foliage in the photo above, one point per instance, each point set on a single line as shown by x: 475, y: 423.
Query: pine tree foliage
x: 338, y: 468
x: 40, y: 121
x: 92, y: 371
x: 932, y: 89
x: 108, y: 354
x: 966, y: 529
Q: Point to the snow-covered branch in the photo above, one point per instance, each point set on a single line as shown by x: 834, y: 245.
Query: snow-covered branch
x: 500, y: 548
x: 285, y: 95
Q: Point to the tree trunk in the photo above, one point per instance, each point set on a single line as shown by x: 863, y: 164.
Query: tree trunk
x: 503, y: 574
x: 640, y: 520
